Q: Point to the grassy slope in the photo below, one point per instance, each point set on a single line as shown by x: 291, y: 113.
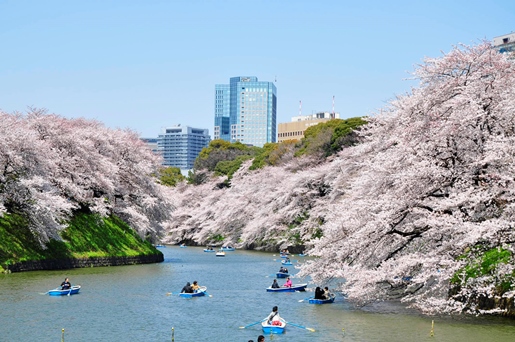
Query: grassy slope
x: 86, y: 236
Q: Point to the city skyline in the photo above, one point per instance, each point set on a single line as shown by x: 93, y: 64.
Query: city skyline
x: 149, y: 65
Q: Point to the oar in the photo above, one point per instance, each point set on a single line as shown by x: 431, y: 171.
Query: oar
x: 251, y: 324
x: 172, y: 293
x: 300, y: 301
x: 301, y: 326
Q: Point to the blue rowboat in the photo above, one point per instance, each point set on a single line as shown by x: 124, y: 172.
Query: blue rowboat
x: 160, y: 246
x: 277, y: 327
x: 282, y: 275
x: 228, y: 249
x: 58, y: 292
x: 198, y: 293
x: 293, y: 288
x: 288, y: 263
x: 207, y: 250
x: 322, y: 301
x: 183, y: 246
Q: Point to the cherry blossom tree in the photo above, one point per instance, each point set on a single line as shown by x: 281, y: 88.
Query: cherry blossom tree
x: 399, y: 214
x: 51, y: 166
x: 434, y: 179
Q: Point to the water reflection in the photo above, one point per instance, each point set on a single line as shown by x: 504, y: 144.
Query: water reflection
x: 129, y: 303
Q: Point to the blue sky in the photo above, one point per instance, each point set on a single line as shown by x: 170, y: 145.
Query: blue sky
x: 149, y: 64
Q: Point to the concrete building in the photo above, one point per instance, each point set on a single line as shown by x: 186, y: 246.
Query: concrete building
x: 181, y: 145
x: 246, y: 111
x: 505, y: 43
x: 294, y: 130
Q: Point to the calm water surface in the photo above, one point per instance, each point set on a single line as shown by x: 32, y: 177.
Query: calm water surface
x: 130, y: 303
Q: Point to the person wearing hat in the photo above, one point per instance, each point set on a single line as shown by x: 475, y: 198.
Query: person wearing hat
x: 187, y: 288
x: 273, y: 316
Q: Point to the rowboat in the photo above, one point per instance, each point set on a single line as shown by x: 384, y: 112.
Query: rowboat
x: 58, y: 292
x: 284, y: 255
x: 282, y: 275
x: 228, y: 249
x: 286, y: 262
x: 220, y: 254
x: 293, y: 288
x: 277, y: 326
x: 160, y: 246
x: 322, y: 301
x: 198, y: 293
x: 207, y: 250
x: 183, y: 246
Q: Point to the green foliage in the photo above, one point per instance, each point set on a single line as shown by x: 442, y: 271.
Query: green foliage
x: 229, y: 167
x: 327, y: 138
x: 480, y: 263
x: 217, y: 237
x: 170, y: 176
x: 196, y: 177
x: 273, y: 154
x: 87, y: 235
x: 221, y: 150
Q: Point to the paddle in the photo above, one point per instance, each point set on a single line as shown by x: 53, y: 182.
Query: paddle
x: 251, y: 324
x: 300, y: 301
x: 301, y: 326
x: 172, y: 293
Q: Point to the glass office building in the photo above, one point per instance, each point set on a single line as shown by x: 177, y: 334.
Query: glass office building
x: 246, y: 111
x: 180, y: 146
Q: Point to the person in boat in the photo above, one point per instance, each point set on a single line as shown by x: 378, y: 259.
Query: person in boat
x: 66, y: 285
x: 319, y: 293
x: 195, y: 286
x: 288, y: 282
x: 187, y: 288
x: 327, y: 294
x: 261, y: 338
x: 283, y: 270
x: 287, y: 260
x: 275, y: 285
x: 273, y: 316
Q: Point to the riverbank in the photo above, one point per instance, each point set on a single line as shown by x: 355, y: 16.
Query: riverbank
x: 88, y: 241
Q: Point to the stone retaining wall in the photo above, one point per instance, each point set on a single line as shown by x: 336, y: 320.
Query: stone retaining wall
x: 62, y: 264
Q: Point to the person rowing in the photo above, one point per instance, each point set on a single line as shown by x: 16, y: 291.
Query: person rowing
x: 66, y: 285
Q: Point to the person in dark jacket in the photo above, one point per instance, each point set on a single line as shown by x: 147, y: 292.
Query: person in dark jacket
x: 187, y: 288
x: 275, y: 285
x: 66, y: 285
x: 319, y: 293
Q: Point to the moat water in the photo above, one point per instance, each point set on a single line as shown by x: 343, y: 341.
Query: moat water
x: 133, y: 303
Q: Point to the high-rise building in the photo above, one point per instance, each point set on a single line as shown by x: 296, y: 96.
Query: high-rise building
x: 294, y: 130
x: 246, y: 111
x: 181, y: 145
